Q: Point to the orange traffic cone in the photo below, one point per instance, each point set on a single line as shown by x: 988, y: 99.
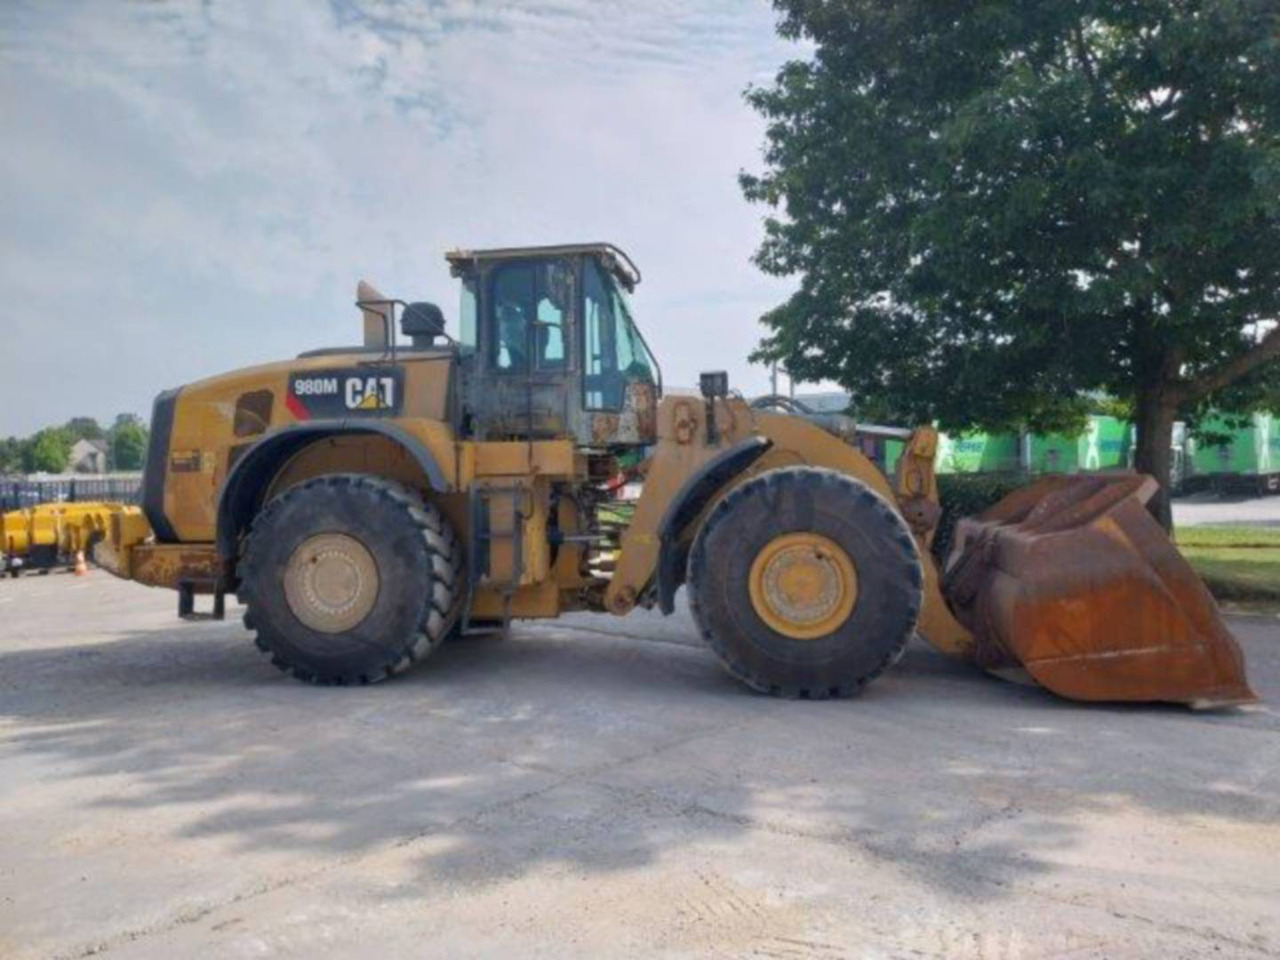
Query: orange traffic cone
x: 81, y: 567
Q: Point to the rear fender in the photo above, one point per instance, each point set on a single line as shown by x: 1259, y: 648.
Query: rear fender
x: 250, y: 477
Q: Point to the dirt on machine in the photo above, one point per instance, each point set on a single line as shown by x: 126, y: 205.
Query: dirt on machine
x: 367, y: 502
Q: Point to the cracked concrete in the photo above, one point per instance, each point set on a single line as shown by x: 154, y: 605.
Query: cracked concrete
x: 597, y: 788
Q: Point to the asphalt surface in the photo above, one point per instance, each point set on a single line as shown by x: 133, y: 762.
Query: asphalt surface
x: 597, y: 788
x: 1208, y: 508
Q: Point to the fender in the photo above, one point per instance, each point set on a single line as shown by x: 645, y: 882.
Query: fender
x: 690, y: 501
x: 245, y: 483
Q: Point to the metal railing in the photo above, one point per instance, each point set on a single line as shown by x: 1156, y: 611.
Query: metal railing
x: 17, y: 494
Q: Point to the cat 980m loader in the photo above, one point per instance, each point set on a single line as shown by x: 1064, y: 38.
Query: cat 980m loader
x: 365, y: 502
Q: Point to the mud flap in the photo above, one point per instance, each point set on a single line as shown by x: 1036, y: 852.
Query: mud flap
x: 1072, y: 581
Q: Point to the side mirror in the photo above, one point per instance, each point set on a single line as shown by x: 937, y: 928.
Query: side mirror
x: 422, y: 323
x: 714, y: 385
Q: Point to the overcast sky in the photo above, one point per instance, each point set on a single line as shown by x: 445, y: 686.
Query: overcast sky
x: 191, y: 187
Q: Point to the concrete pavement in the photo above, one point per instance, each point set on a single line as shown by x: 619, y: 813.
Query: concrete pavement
x: 598, y: 788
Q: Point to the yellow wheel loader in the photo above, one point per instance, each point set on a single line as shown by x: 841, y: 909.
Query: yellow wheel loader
x: 366, y: 502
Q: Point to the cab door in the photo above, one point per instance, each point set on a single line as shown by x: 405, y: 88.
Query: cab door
x: 619, y: 376
x: 527, y: 310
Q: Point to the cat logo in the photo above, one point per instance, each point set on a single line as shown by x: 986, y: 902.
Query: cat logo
x: 371, y: 393
x: 335, y: 394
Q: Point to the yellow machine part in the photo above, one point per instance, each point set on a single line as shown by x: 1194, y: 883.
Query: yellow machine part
x: 69, y: 528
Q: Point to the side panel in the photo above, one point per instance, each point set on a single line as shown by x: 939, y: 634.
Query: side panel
x: 510, y: 488
x: 217, y: 421
x: 1252, y: 451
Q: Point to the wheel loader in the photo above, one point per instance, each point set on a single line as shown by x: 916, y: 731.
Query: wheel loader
x: 367, y: 502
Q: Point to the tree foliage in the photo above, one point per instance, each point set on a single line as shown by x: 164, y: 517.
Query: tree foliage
x: 84, y: 428
x: 994, y: 206
x: 48, y: 451
x: 128, y: 443
x: 11, y: 449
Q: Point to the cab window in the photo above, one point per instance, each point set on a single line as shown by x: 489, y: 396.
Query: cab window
x: 528, y: 305
x: 467, y: 316
x: 613, y: 353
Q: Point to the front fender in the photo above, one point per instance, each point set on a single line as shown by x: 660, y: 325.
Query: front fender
x: 692, y: 498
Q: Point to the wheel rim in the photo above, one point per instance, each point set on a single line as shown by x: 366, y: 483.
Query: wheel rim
x: 803, y: 585
x: 331, y: 582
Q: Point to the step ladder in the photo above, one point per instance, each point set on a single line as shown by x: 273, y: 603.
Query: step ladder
x: 480, y: 538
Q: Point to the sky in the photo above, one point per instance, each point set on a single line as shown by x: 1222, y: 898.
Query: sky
x: 187, y: 188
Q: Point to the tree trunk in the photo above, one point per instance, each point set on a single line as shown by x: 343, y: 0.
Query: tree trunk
x: 1153, y: 451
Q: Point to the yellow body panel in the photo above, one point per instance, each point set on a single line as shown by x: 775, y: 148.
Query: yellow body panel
x: 512, y: 458
x: 207, y: 436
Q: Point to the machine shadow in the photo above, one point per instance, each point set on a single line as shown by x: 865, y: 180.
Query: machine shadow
x: 598, y: 752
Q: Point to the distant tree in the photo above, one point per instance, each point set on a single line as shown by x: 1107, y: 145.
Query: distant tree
x: 128, y: 443
x: 11, y: 449
x: 48, y: 451
x: 996, y: 207
x: 84, y: 428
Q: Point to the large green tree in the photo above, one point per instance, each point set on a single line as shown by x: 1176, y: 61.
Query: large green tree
x: 994, y: 206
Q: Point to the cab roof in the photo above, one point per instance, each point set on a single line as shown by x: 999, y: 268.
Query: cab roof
x: 612, y: 256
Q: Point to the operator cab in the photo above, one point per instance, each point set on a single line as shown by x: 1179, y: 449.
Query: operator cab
x: 549, y: 347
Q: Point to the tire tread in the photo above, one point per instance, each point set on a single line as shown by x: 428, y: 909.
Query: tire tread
x: 443, y: 548
x: 824, y: 482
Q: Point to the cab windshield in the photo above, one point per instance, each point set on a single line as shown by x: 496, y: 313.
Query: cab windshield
x: 614, y: 352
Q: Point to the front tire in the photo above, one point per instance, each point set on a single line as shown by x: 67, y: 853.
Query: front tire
x: 349, y: 578
x: 805, y: 583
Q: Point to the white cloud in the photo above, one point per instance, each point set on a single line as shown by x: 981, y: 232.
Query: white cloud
x: 192, y: 187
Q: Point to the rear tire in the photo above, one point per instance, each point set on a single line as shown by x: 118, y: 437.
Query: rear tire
x: 854, y: 605
x: 349, y: 578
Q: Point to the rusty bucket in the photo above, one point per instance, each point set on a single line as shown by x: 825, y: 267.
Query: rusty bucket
x: 1071, y: 580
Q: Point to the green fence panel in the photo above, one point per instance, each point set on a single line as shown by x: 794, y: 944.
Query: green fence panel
x: 1105, y: 444
x: 1252, y: 451
x: 892, y: 454
x: 978, y: 453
